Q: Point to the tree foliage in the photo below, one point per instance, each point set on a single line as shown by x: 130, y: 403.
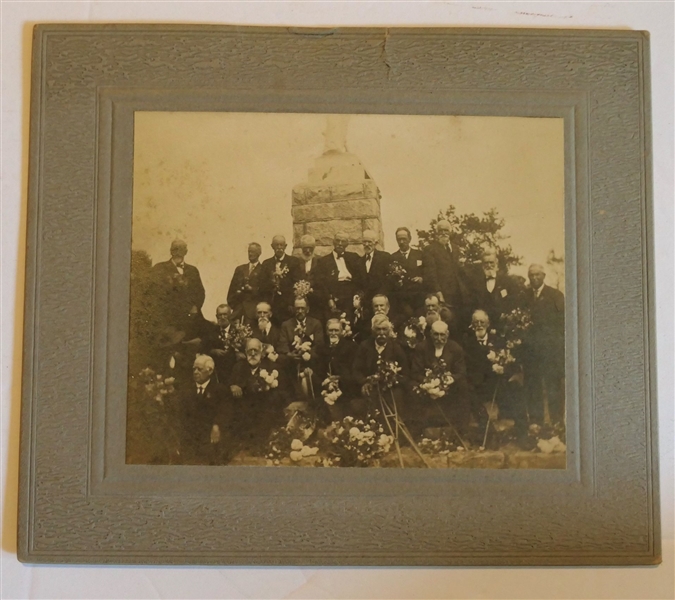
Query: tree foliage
x: 472, y: 234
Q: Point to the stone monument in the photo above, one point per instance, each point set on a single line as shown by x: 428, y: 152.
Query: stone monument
x: 339, y: 195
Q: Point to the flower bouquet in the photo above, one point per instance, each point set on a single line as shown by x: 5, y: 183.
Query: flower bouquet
x: 331, y: 389
x: 283, y: 443
x: 236, y: 337
x: 346, y: 326
x: 386, y: 376
x: 413, y: 331
x: 278, y: 276
x: 302, y: 288
x: 356, y: 442
x: 436, y: 381
x: 266, y: 380
x: 397, y: 273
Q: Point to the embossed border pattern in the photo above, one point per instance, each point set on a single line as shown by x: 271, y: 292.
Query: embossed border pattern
x: 79, y: 501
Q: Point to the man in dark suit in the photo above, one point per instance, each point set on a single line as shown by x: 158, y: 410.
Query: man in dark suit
x: 302, y: 365
x: 380, y: 347
x: 340, y: 276
x: 490, y: 290
x: 375, y: 265
x: 217, y: 343
x: 308, y: 273
x: 258, y: 405
x: 544, y: 347
x: 177, y: 293
x: 336, y: 356
x: 204, y: 413
x: 408, y: 294
x: 244, y: 291
x: 455, y: 403
x: 442, y: 273
x: 279, y: 274
x: 265, y: 330
x: 485, y: 383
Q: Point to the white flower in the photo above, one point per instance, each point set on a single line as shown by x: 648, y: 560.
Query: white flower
x: 296, y: 444
x: 274, y: 384
x: 492, y: 356
x: 306, y: 356
x: 357, y: 301
x: 409, y: 332
x: 498, y: 369
x: 264, y: 374
x: 423, y: 321
x: 354, y: 432
x: 295, y: 456
x: 275, y: 373
x: 306, y: 451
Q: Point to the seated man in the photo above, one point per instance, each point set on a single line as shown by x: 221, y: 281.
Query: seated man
x: 379, y: 306
x: 380, y: 347
x: 433, y: 304
x: 299, y: 341
x: 484, y: 382
x: 217, y: 343
x: 454, y: 405
x: 478, y: 343
x: 204, y: 417
x: 264, y: 330
x: 335, y: 358
x: 259, y: 395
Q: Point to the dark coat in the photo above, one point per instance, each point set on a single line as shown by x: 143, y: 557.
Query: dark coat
x: 367, y: 358
x: 442, y: 273
x: 478, y: 368
x: 328, y: 284
x: 337, y: 360
x: 273, y: 337
x: 376, y: 280
x: 453, y: 355
x: 243, y: 301
x: 280, y: 296
x: 313, y: 328
x: 409, y: 297
x: 545, y: 340
x: 197, y: 416
x: 504, y: 297
x: 213, y: 341
x: 173, y: 295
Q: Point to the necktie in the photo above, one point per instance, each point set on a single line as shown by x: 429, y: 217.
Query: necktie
x: 251, y: 266
x: 368, y: 257
x: 200, y: 391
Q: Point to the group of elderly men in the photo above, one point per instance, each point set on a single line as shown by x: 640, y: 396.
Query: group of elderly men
x: 354, y: 314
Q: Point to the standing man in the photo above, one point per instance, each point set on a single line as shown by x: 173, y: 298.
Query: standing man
x: 408, y: 295
x: 279, y: 274
x: 491, y: 290
x: 204, y: 417
x: 308, y: 273
x: 340, y: 277
x: 177, y: 290
x: 375, y: 264
x: 442, y: 274
x: 545, y: 348
x: 218, y: 344
x: 244, y: 292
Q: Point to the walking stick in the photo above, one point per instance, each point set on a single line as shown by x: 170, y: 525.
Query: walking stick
x: 492, y: 405
x: 386, y: 420
x: 406, y: 432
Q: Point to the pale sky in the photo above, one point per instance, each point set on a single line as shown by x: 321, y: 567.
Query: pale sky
x: 221, y: 180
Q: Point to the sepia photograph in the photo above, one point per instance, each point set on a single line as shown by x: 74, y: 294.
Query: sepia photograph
x: 347, y: 290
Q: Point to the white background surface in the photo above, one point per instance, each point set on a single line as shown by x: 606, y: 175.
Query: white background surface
x: 20, y: 581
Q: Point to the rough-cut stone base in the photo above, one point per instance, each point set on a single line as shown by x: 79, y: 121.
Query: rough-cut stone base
x: 338, y: 196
